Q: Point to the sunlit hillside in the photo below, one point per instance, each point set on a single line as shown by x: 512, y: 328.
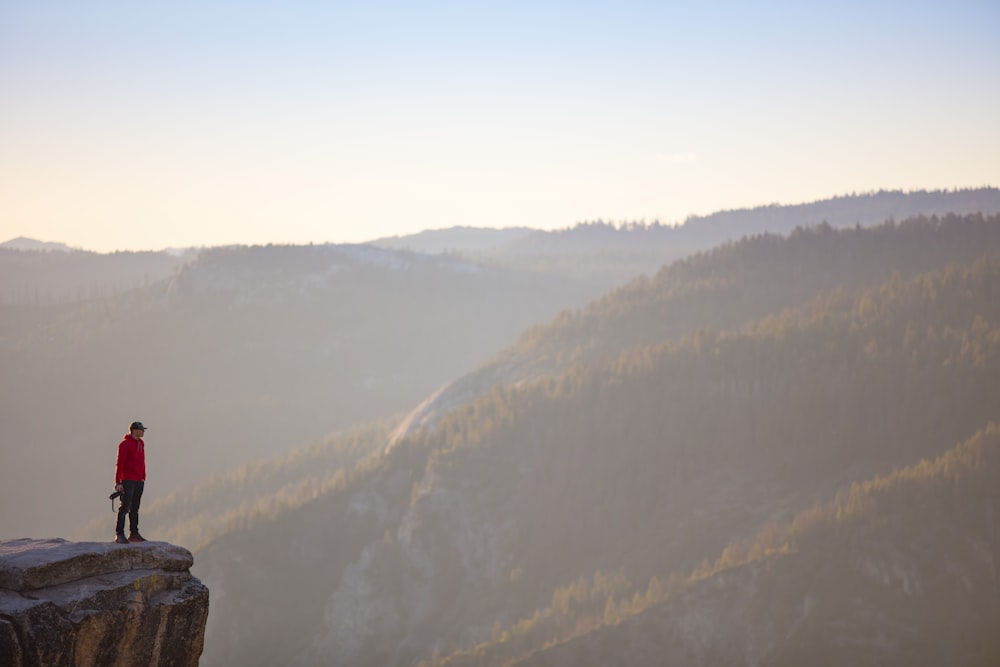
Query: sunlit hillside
x: 656, y: 438
x: 245, y: 353
x: 482, y: 334
x: 883, y: 573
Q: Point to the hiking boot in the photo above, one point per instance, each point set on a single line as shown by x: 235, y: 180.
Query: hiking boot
x: 120, y: 538
x: 136, y: 537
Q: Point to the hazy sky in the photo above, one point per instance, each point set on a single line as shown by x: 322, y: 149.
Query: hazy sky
x: 143, y: 125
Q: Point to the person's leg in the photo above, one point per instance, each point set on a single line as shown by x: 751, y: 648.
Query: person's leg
x: 133, y: 513
x: 123, y: 510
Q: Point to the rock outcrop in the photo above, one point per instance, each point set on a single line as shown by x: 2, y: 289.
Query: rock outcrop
x: 90, y: 603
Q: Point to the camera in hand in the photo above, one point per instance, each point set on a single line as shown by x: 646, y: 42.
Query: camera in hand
x: 114, y: 495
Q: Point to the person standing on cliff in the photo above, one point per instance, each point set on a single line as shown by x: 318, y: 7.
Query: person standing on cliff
x: 130, y: 477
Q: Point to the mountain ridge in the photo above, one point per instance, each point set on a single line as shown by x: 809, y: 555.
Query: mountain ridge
x: 908, y: 576
x: 475, y: 520
x: 641, y: 435
x: 532, y: 365
x: 281, y: 345
x: 34, y: 245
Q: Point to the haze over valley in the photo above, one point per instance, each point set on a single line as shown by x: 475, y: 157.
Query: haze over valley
x: 491, y: 334
x: 365, y: 443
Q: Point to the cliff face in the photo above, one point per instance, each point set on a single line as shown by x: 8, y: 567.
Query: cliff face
x: 89, y: 603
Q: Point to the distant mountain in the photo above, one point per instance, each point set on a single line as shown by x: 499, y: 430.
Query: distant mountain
x: 25, y: 243
x: 844, y: 211
x: 641, y: 444
x: 241, y: 353
x: 618, y: 252
x: 716, y: 290
x: 47, y: 274
x: 460, y: 240
x: 669, y: 455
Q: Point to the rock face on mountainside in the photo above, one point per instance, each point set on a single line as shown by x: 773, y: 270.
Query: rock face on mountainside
x: 90, y: 603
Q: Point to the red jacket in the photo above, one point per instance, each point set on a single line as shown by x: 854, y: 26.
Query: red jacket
x: 131, y: 463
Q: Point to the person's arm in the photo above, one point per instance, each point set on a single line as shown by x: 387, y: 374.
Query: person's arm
x: 120, y: 463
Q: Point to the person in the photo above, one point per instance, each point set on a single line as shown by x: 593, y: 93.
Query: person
x: 130, y: 477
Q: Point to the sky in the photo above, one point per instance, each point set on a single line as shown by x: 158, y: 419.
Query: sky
x: 143, y: 126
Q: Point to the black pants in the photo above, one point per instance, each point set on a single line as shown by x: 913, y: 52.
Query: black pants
x: 130, y: 505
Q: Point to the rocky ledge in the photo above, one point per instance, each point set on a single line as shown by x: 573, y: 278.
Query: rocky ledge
x: 91, y: 603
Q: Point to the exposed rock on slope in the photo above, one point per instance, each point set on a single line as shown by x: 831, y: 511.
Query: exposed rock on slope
x: 88, y: 603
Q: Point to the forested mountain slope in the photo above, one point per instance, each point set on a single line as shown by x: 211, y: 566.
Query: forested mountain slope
x: 862, y: 209
x: 247, y: 352
x: 737, y: 282
x: 250, y: 352
x: 617, y: 249
x: 724, y: 288
x: 45, y: 277
x: 900, y: 570
x: 197, y: 513
x: 643, y: 455
x: 610, y: 253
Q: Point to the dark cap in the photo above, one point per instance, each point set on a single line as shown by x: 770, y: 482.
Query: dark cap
x: 136, y: 425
